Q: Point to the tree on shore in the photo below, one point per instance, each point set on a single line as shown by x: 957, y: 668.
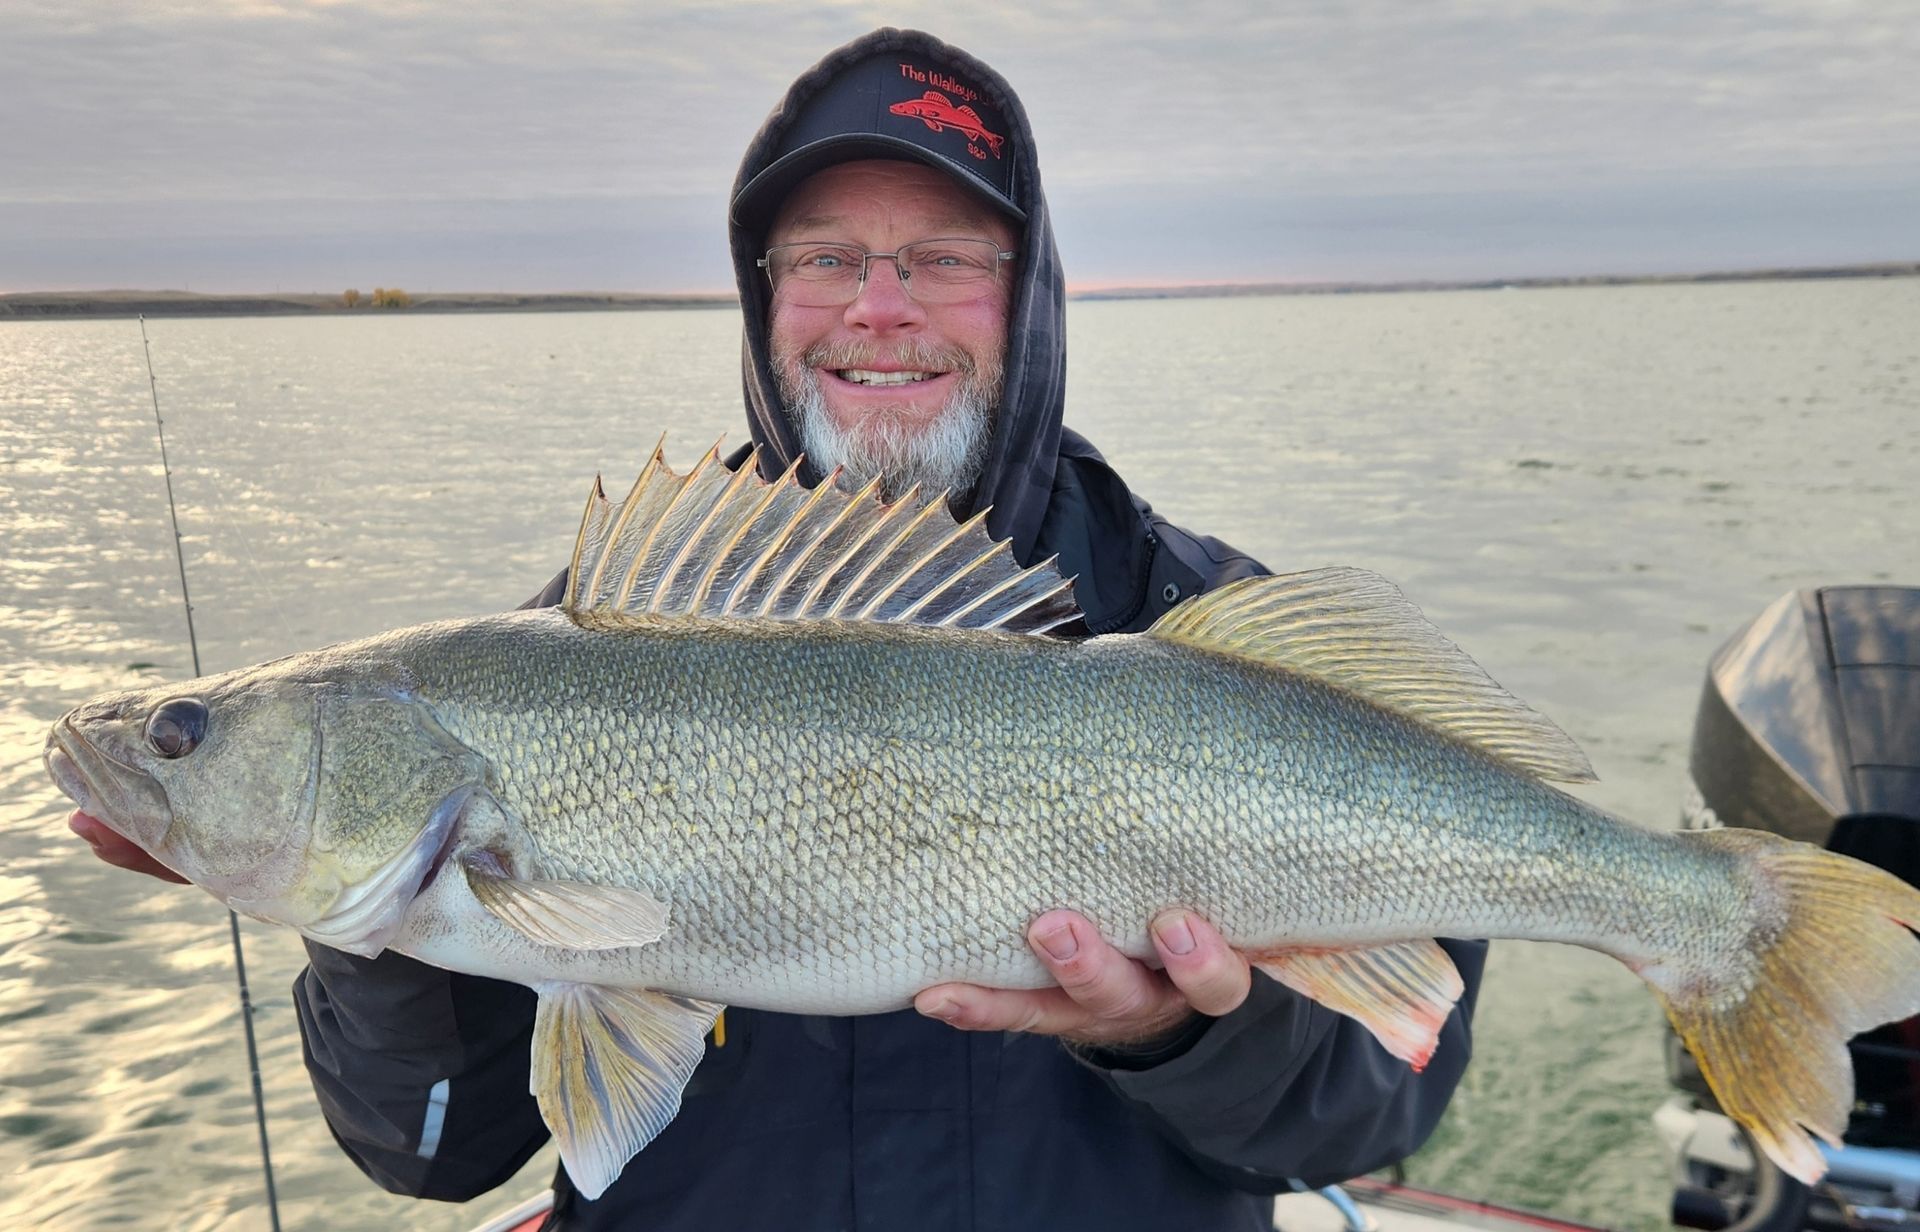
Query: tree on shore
x: 350, y: 297
x: 390, y: 297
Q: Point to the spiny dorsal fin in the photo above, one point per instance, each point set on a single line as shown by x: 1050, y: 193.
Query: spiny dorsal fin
x: 721, y: 543
x: 1354, y: 629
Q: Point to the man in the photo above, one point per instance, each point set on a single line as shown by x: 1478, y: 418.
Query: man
x: 904, y: 306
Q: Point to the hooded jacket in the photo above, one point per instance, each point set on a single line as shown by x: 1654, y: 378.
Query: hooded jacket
x: 896, y: 1121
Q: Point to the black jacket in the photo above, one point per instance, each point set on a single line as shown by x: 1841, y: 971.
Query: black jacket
x: 895, y: 1121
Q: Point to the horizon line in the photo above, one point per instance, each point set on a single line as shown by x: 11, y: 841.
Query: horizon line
x: 1091, y: 287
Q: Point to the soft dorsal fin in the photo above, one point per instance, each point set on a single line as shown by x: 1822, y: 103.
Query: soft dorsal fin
x: 1354, y: 629
x: 720, y: 543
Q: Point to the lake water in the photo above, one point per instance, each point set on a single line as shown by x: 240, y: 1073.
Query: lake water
x: 1588, y: 489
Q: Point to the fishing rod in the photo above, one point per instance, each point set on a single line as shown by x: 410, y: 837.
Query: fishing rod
x: 233, y: 921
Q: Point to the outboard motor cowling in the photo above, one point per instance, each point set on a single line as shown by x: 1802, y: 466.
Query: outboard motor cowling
x: 1809, y: 727
x: 1811, y: 718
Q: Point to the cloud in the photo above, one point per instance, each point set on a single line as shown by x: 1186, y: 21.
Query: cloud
x: 326, y: 118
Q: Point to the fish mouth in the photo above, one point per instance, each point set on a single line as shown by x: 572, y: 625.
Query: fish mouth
x: 123, y: 797
x: 66, y: 775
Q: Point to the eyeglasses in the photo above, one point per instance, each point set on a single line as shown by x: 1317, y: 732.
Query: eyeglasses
x: 829, y: 274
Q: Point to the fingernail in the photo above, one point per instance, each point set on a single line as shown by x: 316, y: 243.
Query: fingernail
x: 943, y: 1009
x: 1174, y: 934
x: 1059, y: 942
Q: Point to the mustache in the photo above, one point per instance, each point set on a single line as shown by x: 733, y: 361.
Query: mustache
x: 914, y: 353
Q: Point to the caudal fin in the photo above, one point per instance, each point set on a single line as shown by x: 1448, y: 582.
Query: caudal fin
x: 1835, y: 954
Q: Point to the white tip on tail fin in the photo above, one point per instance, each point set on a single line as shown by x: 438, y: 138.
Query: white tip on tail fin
x: 721, y: 543
x: 1835, y: 956
x: 1355, y: 630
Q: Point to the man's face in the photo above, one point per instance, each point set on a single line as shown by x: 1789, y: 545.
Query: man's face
x: 838, y: 368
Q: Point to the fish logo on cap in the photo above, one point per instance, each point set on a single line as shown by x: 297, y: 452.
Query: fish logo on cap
x: 938, y: 112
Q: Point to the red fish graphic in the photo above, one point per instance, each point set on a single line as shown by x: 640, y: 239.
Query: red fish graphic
x: 937, y: 112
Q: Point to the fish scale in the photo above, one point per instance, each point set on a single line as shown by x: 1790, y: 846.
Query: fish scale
x: 801, y: 750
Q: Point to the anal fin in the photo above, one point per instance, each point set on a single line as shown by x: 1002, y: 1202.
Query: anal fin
x: 1402, y: 992
x: 608, y: 1068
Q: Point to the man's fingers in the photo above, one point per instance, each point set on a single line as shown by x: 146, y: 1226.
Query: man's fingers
x: 1104, y: 996
x: 1102, y: 979
x: 1213, y: 976
x: 1044, y: 1011
x: 117, y: 851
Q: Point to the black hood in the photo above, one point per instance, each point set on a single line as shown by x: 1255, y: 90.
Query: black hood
x: 1018, y: 479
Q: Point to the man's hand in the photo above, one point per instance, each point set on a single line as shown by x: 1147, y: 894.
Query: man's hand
x: 1104, y: 997
x: 118, y: 851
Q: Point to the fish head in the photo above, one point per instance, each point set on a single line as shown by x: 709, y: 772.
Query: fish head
x: 212, y: 778
x: 321, y: 801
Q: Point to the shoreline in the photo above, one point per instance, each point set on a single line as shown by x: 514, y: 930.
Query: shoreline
x: 95, y: 305
x: 1878, y: 269
x: 67, y: 305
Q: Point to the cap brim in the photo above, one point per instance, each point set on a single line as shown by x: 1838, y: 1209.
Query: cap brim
x: 755, y: 205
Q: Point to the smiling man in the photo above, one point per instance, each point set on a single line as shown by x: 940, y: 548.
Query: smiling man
x: 904, y: 314
x: 892, y: 374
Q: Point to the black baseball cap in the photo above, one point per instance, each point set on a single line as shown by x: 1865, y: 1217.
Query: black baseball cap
x: 901, y: 104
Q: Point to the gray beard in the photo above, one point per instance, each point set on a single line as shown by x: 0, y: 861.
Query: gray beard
x: 945, y: 455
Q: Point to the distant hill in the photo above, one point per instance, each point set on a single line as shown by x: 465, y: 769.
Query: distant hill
x: 1883, y: 269
x: 44, y: 304
x: 67, y: 304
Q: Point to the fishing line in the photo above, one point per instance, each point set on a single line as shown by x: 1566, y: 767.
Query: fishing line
x: 233, y: 921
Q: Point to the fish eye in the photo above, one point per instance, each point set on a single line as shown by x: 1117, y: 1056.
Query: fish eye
x: 176, y: 727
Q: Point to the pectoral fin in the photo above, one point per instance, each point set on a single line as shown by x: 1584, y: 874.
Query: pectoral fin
x: 608, y: 1068
x: 1402, y: 993
x: 571, y: 915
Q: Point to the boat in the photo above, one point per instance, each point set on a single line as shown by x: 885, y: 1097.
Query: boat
x: 527, y: 1217
x: 1809, y: 726
x: 1366, y: 1204
x: 1377, y: 1204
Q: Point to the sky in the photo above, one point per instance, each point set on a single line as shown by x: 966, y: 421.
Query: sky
x: 302, y: 145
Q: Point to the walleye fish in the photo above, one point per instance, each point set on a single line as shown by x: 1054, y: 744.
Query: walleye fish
x: 803, y: 751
